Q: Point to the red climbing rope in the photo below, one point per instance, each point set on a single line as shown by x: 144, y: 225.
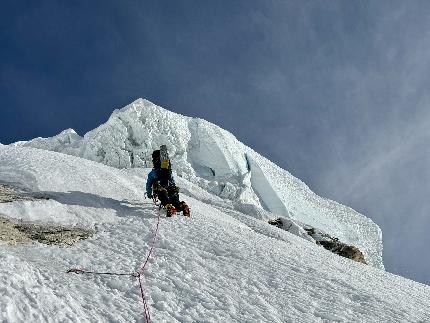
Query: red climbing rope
x: 138, y: 274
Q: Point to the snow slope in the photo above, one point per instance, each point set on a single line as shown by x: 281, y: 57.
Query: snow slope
x: 220, y: 265
x: 216, y: 161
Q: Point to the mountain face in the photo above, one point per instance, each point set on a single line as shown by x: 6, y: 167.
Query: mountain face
x: 220, y: 265
x: 61, y: 213
x: 214, y: 160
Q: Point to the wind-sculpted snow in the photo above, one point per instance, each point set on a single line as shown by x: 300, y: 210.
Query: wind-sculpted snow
x: 67, y: 142
x: 216, y: 161
x: 224, y: 264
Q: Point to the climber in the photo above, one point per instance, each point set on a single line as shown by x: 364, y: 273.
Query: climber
x: 160, y: 184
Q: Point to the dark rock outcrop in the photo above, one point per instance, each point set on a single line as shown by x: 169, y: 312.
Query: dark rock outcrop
x: 277, y: 222
x: 13, y: 194
x: 16, y: 232
x: 328, y: 242
x: 343, y: 250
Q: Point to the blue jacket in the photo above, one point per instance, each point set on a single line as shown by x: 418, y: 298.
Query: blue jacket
x: 153, y: 176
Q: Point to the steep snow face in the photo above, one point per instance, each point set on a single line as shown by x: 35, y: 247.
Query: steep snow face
x: 220, y: 265
x: 216, y: 161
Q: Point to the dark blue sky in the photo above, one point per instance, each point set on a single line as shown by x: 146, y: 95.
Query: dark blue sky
x: 336, y: 92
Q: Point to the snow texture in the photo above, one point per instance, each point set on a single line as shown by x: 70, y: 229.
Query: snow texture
x: 224, y: 264
x: 216, y: 161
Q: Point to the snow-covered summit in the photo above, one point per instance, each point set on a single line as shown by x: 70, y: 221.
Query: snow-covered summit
x: 216, y: 161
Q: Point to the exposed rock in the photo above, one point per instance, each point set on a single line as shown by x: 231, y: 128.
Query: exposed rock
x: 291, y: 226
x: 277, y: 222
x: 12, y: 194
x: 10, y: 234
x: 343, y: 250
x: 14, y: 233
x: 328, y: 242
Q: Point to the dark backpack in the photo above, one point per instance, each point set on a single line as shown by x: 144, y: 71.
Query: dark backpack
x: 156, y: 162
x: 161, y: 163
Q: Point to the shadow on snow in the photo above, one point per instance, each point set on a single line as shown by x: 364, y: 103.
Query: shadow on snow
x: 123, y: 208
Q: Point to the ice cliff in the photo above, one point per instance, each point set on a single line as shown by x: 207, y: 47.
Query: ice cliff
x: 215, y: 160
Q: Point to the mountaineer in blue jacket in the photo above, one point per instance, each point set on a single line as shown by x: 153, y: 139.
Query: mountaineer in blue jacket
x: 161, y: 184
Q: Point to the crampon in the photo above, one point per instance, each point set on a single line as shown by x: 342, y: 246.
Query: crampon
x: 170, y: 210
x: 185, y: 209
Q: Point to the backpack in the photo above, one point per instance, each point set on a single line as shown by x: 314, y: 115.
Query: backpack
x: 161, y: 163
x: 156, y: 162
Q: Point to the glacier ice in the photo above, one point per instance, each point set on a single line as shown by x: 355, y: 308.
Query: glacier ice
x: 215, y: 160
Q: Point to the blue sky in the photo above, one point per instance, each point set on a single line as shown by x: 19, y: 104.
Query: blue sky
x: 336, y: 92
